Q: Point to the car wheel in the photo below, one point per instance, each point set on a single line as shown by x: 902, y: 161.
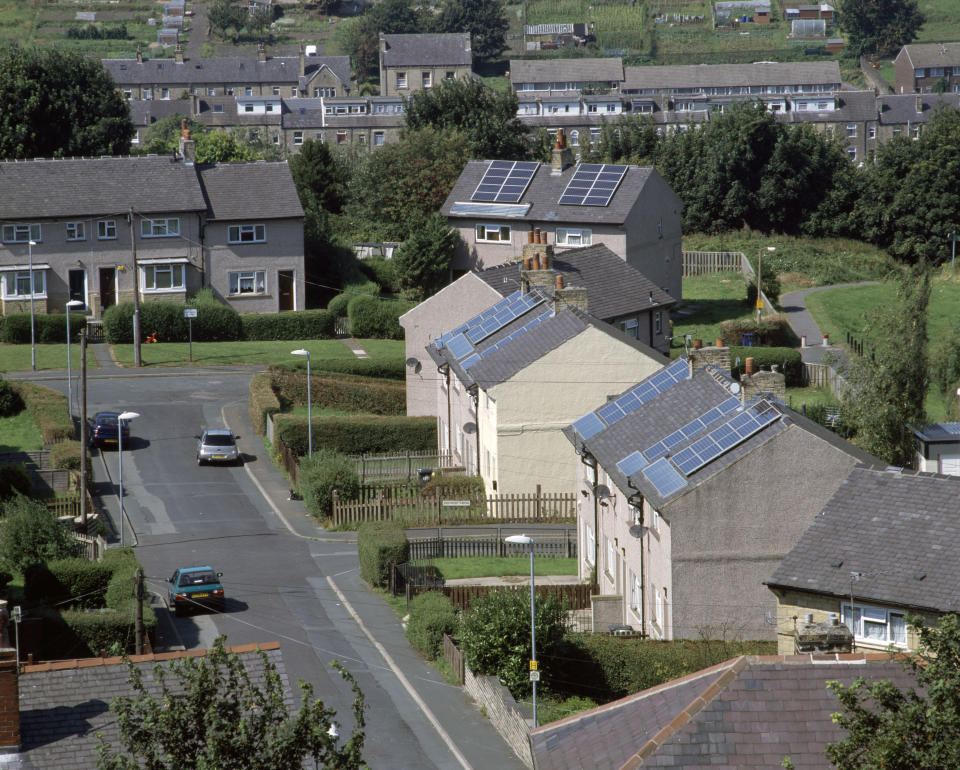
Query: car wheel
x: 199, y: 461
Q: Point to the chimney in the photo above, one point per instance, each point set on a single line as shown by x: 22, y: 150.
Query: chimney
x: 919, y: 103
x: 140, y: 53
x: 829, y: 636
x: 701, y: 357
x: 303, y: 60
x: 561, y: 156
x: 756, y: 382
x: 559, y: 284
x: 748, y: 367
x: 188, y: 147
x: 9, y: 702
x: 383, y: 44
x: 178, y: 54
x: 568, y: 296
x: 261, y: 52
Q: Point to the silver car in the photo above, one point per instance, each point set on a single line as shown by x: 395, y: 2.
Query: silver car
x: 217, y: 446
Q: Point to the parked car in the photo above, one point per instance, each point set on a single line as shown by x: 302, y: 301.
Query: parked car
x: 104, y: 431
x: 217, y: 446
x: 192, y: 587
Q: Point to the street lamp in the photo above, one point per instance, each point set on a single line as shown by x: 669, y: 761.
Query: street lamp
x: 534, y: 671
x: 759, y: 272
x: 33, y: 336
x: 72, y: 303
x: 302, y: 352
x: 124, y: 416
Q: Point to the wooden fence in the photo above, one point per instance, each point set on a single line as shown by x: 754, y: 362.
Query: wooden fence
x: 703, y: 262
x: 91, y: 547
x: 823, y: 376
x: 401, y: 466
x: 573, y: 596
x: 444, y: 509
x: 450, y: 547
x: 455, y: 658
x: 289, y: 460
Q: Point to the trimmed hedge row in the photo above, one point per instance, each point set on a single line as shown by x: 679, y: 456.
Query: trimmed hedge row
x: 344, y: 393
x: 367, y: 367
x: 48, y: 409
x: 375, y: 317
x: 788, y: 359
x: 358, y: 434
x: 263, y: 401
x: 771, y: 331
x: 78, y: 583
x: 380, y: 544
x: 293, y: 325
x: 47, y: 328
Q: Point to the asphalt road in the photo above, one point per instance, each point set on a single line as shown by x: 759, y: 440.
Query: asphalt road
x: 281, y: 585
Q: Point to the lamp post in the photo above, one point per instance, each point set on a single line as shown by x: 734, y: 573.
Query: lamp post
x: 302, y: 352
x: 759, y: 272
x: 123, y: 417
x: 534, y: 671
x: 70, y: 304
x: 33, y: 336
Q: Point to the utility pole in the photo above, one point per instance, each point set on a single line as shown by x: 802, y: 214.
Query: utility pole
x: 83, y: 429
x: 136, y: 294
x: 139, y: 637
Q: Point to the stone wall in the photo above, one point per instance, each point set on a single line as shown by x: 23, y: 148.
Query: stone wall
x: 763, y: 381
x: 504, y: 713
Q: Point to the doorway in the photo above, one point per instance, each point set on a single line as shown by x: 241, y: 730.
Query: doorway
x: 78, y: 285
x: 108, y: 287
x: 285, y: 290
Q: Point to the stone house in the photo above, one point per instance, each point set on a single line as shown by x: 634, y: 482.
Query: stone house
x: 922, y: 67
x: 411, y: 63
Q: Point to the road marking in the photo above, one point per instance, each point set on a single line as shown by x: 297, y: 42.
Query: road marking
x: 403, y: 679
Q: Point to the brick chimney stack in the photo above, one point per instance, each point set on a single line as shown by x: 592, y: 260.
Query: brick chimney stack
x: 303, y: 60
x: 261, y: 52
x: 188, y: 147
x: 140, y: 53
x: 178, y: 54
x: 561, y: 156
x: 9, y: 702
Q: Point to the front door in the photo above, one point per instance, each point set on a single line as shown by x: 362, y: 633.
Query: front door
x: 78, y: 285
x: 285, y: 289
x: 108, y: 287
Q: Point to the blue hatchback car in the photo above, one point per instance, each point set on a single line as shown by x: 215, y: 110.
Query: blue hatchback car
x: 191, y: 587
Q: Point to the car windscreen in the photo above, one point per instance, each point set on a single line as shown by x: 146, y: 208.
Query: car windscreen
x: 108, y: 420
x: 197, y: 579
x: 218, y: 440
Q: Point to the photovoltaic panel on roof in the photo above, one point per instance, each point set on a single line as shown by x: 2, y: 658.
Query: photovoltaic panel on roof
x: 500, y: 343
x: 588, y: 426
x: 459, y: 347
x: 593, y: 184
x: 520, y: 305
x: 723, y: 439
x: 505, y: 181
x: 490, y: 311
x: 691, y: 429
x: 664, y: 477
x: 610, y: 413
x: 632, y: 463
x: 469, y: 361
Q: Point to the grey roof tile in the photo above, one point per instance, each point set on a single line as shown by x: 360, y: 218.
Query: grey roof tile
x: 229, y: 70
x: 560, y: 70
x: 721, y: 75
x: 427, y: 50
x: 933, y: 54
x: 853, y: 106
x: 900, y: 109
x: 229, y: 187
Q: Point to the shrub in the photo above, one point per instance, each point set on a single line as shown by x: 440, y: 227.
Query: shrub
x: 381, y: 271
x: 121, y: 590
x: 5, y: 578
x: 771, y: 287
x: 373, y: 317
x: 320, y: 475
x: 11, y: 402
x: 13, y: 479
x: 788, y: 359
x: 431, y: 616
x: 32, y: 534
x: 74, y: 582
x: 65, y: 455
x: 367, y: 367
x: 358, y: 434
x: 215, y: 321
x: 48, y: 409
x: 263, y: 401
x: 380, y: 544
x: 343, y: 393
x: 294, y: 325
x: 338, y: 305
x: 47, y: 328
x: 73, y: 633
x: 455, y: 484
x: 772, y: 330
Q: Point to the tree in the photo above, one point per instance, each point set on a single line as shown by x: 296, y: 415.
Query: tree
x: 260, y: 19
x: 59, y: 104
x: 163, y: 137
x: 898, y: 729
x: 224, y: 15
x: 210, y: 714
x: 629, y: 139
x: 221, y: 147
x: 945, y: 368
x: 495, y: 635
x: 32, y: 534
x: 320, y: 176
x: 423, y: 261
x: 887, y: 387
x: 879, y: 26
x: 487, y: 118
x: 485, y: 20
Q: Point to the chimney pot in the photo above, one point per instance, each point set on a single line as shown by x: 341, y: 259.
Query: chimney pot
x: 536, y: 261
x: 530, y: 236
x: 545, y: 258
x: 536, y: 235
x: 834, y: 619
x: 528, y: 263
x: 808, y: 618
x: 749, y: 367
x: 559, y: 282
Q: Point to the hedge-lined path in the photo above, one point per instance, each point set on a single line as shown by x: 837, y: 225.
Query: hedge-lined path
x: 355, y: 348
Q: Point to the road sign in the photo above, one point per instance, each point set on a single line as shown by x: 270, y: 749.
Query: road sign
x: 534, y: 676
x: 190, y: 312
x: 759, y: 304
x: 456, y: 503
x: 533, y: 665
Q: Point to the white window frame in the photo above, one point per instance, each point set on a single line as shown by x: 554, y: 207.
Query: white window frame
x: 149, y: 273
x: 871, y: 132
x: 426, y: 79
x: 864, y: 614
x: 163, y: 227
x: 11, y: 281
x: 658, y: 322
x: 165, y: 94
x: 444, y: 435
x: 246, y: 283
x: 401, y: 80
x: 658, y: 609
x: 76, y: 231
x: 248, y: 91
x: 298, y: 137
x: 611, y: 557
x: 485, y: 233
x: 378, y: 138
x: 636, y: 593
x: 22, y: 233
x: 851, y: 130
x: 247, y: 233
x: 106, y: 229
x: 459, y: 440
x: 573, y: 236
x: 591, y: 544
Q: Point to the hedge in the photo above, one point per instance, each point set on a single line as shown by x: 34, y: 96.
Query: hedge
x: 79, y: 583
x: 432, y: 615
x: 380, y: 544
x: 47, y: 328
x: 11, y: 402
x: 48, y: 410
x: 293, y: 325
x: 374, y: 317
x: 65, y: 455
x: 263, y: 401
x: 320, y: 475
x: 454, y: 484
x: 367, y: 367
x: 121, y: 590
x: 788, y: 359
x: 343, y: 393
x: 79, y: 634
x: 215, y: 322
x: 771, y: 331
x: 358, y: 434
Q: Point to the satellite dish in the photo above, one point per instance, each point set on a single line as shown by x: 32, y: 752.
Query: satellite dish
x: 412, y: 362
x: 735, y: 388
x: 603, y: 493
x: 470, y: 428
x: 637, y: 530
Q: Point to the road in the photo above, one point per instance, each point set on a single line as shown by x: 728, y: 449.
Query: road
x: 290, y: 583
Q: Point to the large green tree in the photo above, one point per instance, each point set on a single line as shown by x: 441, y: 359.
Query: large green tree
x: 423, y: 260
x: 224, y: 15
x: 487, y: 118
x: 485, y: 20
x: 59, y: 104
x: 209, y: 714
x: 163, y: 136
x: 320, y: 175
x: 879, y: 26
x: 909, y: 729
x: 32, y: 534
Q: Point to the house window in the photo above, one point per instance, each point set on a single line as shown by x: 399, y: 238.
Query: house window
x: 147, y: 93
x: 426, y: 79
x: 341, y: 137
x: 248, y: 91
x: 107, y: 229
x: 459, y: 440
x: 493, y: 233
x: 269, y: 106
x: 656, y: 521
x: 591, y: 108
x: 162, y: 277
x: 448, y: 75
x: 574, y: 138
x: 276, y: 137
x: 871, y: 132
x: 566, y: 236
x: 276, y: 90
x: 16, y: 284
x: 298, y: 137
x: 444, y: 436
x: 660, y: 227
x: 915, y: 131
x: 127, y: 93
x: 76, y: 231
x: 362, y: 138
x: 229, y: 91
x: 21, y: 233
x: 211, y: 92
x: 658, y: 323
x: 852, y: 152
x: 630, y: 328
x: 401, y: 80
x: 165, y: 227
x: 611, y: 107
x: 247, y: 233
x: 635, y: 593
x: 248, y: 107
x: 658, y: 608
x: 218, y: 108
x: 611, y: 557
x: 293, y: 90
x: 591, y: 545
x: 249, y: 282
x: 851, y: 130
x: 164, y: 93
x: 377, y: 138
x: 875, y: 625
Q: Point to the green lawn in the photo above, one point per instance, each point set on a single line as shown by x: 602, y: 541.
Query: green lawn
x: 19, y: 433
x: 16, y: 358
x: 708, y: 300
x: 797, y: 397
x: 492, y: 566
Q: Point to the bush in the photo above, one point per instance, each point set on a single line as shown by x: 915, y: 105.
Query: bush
x: 263, y: 401
x: 367, y: 367
x: 788, y: 359
x: 320, y: 475
x: 32, y: 534
x: 431, y: 616
x: 215, y: 322
x: 294, y: 325
x: 121, y: 590
x: 373, y: 317
x: 381, y: 271
x: 338, y: 305
x: 380, y: 544
x: 77, y: 582
x: 771, y: 287
x: 14, y: 479
x: 77, y: 634
x: 46, y: 328
x: 358, y: 434
x: 343, y: 393
x: 455, y: 484
x: 48, y: 409
x: 773, y: 330
x: 11, y: 402
x: 65, y: 455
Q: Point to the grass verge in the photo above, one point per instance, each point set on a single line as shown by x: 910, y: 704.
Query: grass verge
x: 493, y: 566
x: 17, y: 358
x: 19, y: 433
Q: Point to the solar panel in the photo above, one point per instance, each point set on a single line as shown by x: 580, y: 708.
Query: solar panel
x: 459, y: 347
x: 505, y: 181
x: 504, y: 315
x: 632, y: 463
x: 490, y: 311
x: 610, y: 413
x: 469, y: 361
x: 664, y: 477
x: 588, y: 426
x: 500, y: 343
x: 724, y: 438
x: 593, y: 184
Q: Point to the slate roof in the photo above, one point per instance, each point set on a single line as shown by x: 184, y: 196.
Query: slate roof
x: 427, y: 50
x: 722, y: 75
x: 565, y: 70
x: 229, y: 187
x: 614, y: 288
x: 749, y: 712
x: 899, y: 528
x: 229, y: 70
x: 39, y: 189
x: 932, y: 54
x: 544, y: 193
x: 938, y: 432
x: 902, y: 108
x: 143, y: 112
x: 852, y: 106
x: 63, y: 705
